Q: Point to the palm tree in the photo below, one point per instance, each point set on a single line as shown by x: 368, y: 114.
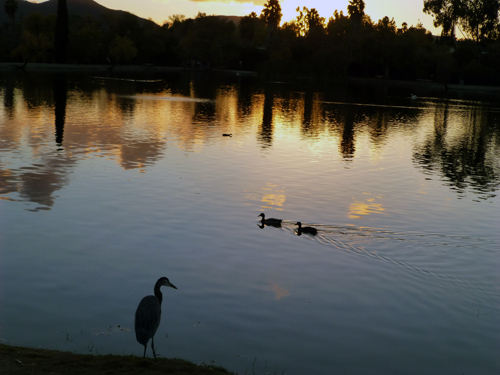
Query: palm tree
x: 272, y: 14
x: 11, y: 7
x: 62, y: 31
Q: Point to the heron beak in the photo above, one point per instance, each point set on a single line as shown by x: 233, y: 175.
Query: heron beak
x: 171, y: 285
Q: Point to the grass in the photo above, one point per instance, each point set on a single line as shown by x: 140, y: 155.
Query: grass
x: 17, y: 360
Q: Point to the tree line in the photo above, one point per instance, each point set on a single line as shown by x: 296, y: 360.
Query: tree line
x: 308, y: 47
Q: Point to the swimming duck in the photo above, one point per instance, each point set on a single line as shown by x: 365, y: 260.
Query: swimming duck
x: 308, y: 230
x: 271, y: 221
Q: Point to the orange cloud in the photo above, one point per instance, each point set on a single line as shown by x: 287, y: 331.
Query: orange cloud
x: 254, y: 2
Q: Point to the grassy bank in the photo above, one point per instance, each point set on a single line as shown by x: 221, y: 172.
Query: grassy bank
x: 17, y: 360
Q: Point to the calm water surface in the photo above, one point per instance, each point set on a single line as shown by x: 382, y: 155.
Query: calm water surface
x: 106, y: 184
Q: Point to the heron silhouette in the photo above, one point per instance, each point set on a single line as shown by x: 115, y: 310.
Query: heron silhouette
x: 148, y: 315
x: 308, y: 230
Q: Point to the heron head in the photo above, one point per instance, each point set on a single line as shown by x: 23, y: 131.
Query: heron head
x: 262, y: 215
x: 166, y: 282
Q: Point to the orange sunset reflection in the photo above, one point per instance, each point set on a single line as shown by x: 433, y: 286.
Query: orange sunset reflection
x: 366, y: 207
x: 273, y: 197
x: 133, y: 124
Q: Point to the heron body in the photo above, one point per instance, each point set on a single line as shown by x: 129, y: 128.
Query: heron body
x: 271, y: 221
x: 308, y: 230
x: 148, y: 315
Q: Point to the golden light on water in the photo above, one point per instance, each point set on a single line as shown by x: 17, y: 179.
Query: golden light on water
x: 279, y: 291
x: 360, y: 208
x: 273, y: 197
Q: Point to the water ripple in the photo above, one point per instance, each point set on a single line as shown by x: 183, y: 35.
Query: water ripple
x: 349, y: 238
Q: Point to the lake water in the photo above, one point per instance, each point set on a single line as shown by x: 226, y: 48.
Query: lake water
x: 109, y: 182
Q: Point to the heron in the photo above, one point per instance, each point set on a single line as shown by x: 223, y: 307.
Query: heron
x: 309, y: 230
x: 148, y: 315
x: 271, y: 221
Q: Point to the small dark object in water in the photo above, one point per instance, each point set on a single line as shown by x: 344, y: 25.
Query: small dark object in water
x: 227, y: 134
x: 148, y: 315
x: 270, y: 222
x: 308, y: 230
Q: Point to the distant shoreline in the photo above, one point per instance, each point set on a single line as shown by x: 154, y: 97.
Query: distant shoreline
x: 146, y: 68
x: 49, y: 67
x: 427, y: 85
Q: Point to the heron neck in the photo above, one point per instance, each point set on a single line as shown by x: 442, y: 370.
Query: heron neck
x: 158, y: 294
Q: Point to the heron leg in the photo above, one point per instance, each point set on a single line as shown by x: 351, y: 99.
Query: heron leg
x: 153, y: 346
x: 144, y: 356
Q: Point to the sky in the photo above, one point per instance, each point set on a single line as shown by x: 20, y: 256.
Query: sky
x: 409, y: 11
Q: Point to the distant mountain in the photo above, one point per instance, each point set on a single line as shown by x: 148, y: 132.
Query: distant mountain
x: 75, y: 7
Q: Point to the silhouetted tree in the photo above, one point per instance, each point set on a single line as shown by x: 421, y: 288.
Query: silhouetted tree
x: 356, y: 11
x: 445, y: 12
x: 272, y: 14
x: 11, y: 7
x: 252, y: 37
x: 386, y: 36
x: 477, y: 19
x: 86, y: 43
x: 308, y: 22
x: 299, y: 25
x: 338, y: 26
x: 351, y: 44
x: 481, y: 19
x: 122, y: 50
x: 315, y: 23
x: 37, y: 39
x: 62, y: 31
x: 251, y: 29
x: 209, y: 40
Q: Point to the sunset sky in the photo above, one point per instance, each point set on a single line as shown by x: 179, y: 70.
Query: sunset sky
x: 409, y: 11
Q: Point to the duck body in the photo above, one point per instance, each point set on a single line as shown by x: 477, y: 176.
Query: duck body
x: 308, y: 230
x: 270, y: 222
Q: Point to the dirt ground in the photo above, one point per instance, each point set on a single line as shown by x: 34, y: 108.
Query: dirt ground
x: 16, y: 360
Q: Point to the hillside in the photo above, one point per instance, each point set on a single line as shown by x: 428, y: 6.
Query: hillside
x: 75, y: 7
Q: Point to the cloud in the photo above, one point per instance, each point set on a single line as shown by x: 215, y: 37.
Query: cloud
x: 253, y: 2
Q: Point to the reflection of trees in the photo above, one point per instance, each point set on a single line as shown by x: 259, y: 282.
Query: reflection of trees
x: 126, y: 104
x: 203, y: 114
x: 465, y: 158
x: 347, y: 144
x: 43, y: 166
x: 60, y: 99
x: 37, y: 182
x: 8, y: 98
x: 266, y: 130
x: 140, y: 154
x: 245, y: 95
